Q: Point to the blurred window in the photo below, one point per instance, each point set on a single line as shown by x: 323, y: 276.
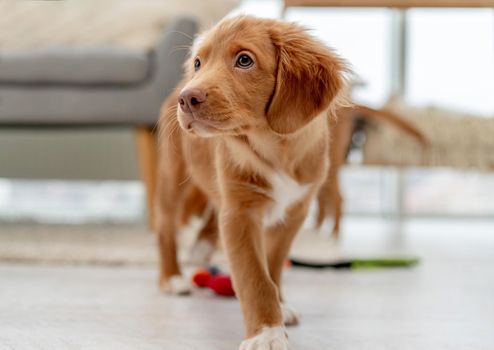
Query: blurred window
x: 450, y: 63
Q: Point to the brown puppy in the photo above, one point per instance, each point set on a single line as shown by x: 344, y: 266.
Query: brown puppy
x: 253, y: 138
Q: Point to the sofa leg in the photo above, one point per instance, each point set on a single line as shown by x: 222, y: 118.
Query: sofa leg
x: 148, y: 162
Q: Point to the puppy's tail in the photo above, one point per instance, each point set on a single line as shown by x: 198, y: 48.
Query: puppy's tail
x: 393, y: 119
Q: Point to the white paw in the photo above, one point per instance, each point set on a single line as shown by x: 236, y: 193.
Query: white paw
x: 176, y: 285
x: 270, y: 338
x: 290, y: 316
x: 200, y: 253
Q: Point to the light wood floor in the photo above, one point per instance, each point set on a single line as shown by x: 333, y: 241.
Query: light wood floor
x: 447, y: 302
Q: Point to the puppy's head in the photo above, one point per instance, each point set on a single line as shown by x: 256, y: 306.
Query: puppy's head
x: 249, y: 73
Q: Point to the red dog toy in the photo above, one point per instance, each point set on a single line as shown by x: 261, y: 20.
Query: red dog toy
x: 211, y: 278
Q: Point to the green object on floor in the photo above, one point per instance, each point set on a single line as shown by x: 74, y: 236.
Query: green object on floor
x: 355, y: 264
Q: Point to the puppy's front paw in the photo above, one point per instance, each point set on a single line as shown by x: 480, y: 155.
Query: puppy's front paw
x: 270, y: 338
x: 290, y: 316
x: 176, y: 285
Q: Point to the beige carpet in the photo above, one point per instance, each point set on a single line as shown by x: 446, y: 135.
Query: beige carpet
x: 126, y: 244
x: 77, y: 244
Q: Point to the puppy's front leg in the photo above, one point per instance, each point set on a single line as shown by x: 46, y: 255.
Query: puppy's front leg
x: 279, y: 239
x: 241, y: 230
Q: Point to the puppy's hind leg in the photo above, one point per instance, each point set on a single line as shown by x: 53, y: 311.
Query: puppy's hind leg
x: 194, y: 203
x: 322, y: 204
x: 205, y: 245
x: 337, y: 212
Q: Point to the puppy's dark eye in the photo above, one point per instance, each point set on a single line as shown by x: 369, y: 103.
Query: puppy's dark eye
x: 244, y: 61
x: 197, y: 64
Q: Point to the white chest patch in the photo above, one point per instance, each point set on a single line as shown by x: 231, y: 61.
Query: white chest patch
x: 285, y: 191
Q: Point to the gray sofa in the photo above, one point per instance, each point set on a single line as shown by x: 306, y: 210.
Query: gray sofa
x: 96, y: 87
x: 92, y: 86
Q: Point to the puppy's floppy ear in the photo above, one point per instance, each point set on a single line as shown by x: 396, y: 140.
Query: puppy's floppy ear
x: 309, y: 78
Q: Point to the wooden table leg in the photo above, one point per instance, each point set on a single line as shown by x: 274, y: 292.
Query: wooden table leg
x: 147, y: 153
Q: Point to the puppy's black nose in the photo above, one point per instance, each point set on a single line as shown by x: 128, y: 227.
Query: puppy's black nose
x: 191, y: 99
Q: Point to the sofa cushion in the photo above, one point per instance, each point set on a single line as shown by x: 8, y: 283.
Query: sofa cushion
x: 74, y: 66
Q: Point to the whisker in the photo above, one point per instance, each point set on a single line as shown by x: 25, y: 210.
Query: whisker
x: 177, y: 49
x: 168, y: 129
x: 182, y: 33
x: 155, y: 128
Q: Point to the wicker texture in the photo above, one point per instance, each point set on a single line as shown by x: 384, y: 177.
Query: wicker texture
x: 456, y: 140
